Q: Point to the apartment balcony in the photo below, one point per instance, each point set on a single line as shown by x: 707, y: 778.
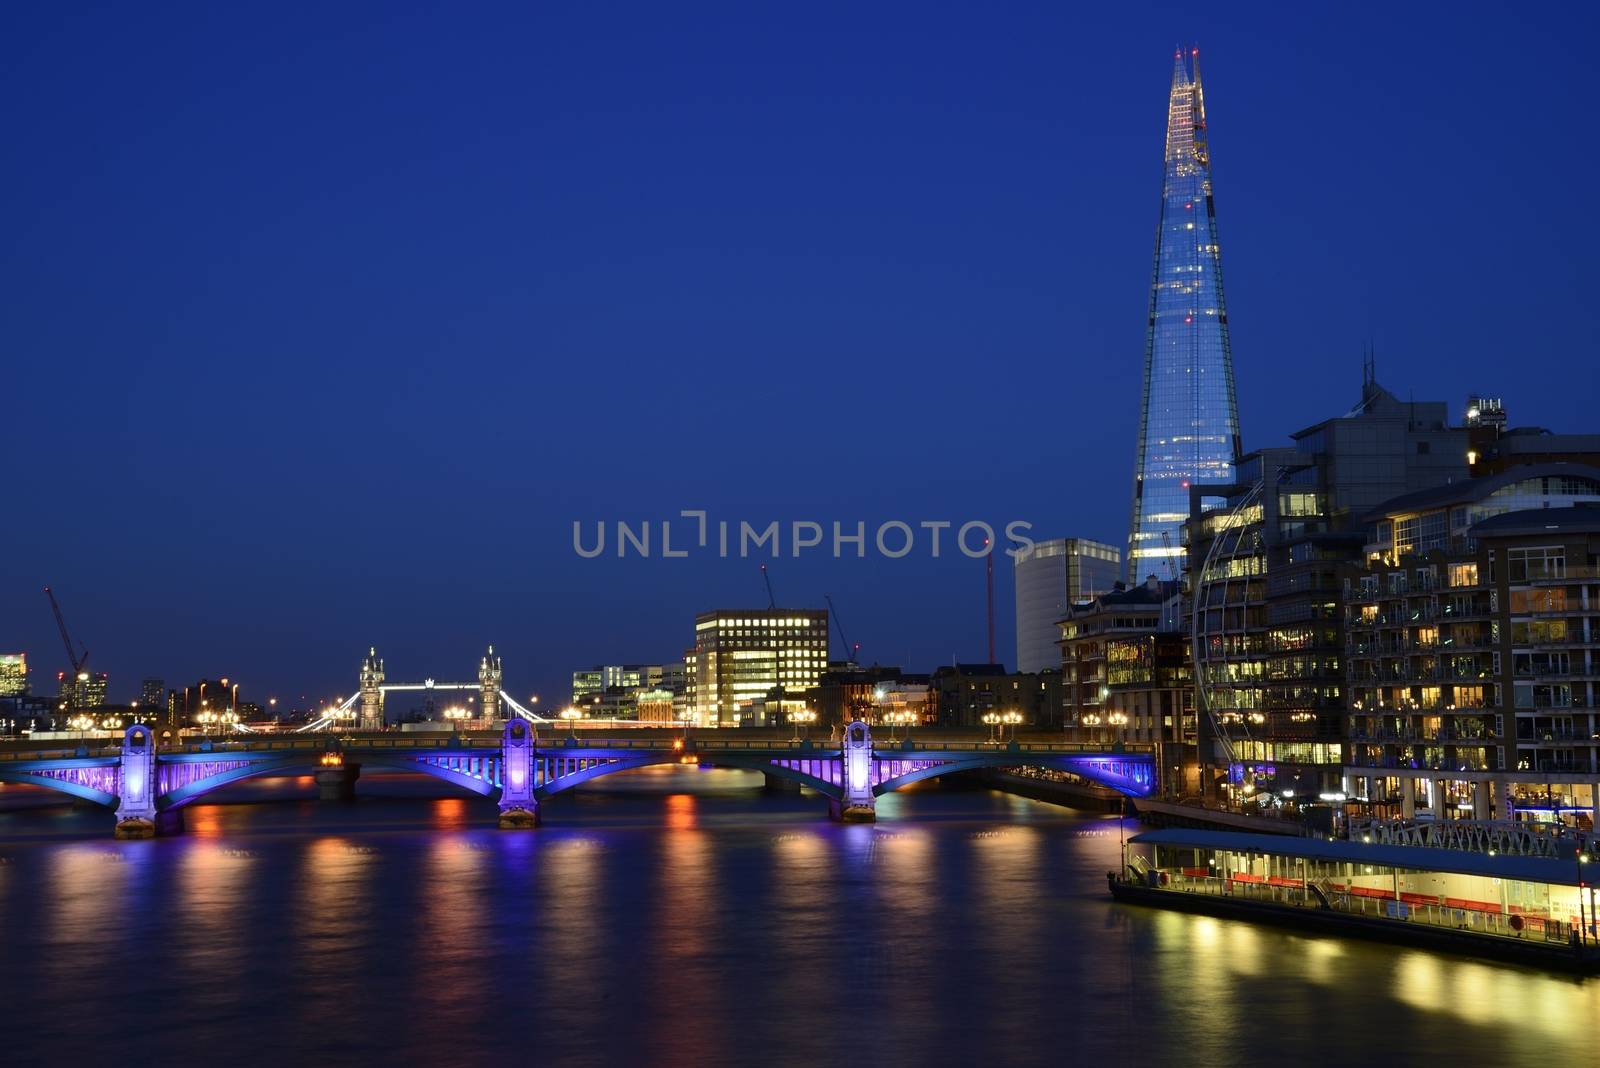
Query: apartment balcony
x: 1577, y: 574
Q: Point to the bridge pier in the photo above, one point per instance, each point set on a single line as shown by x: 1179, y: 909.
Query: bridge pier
x: 337, y: 782
x: 779, y: 784
x: 136, y: 784
x: 858, y: 805
x: 519, y: 806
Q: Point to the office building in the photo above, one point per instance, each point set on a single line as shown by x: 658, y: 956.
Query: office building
x: 1188, y: 419
x: 1049, y: 577
x: 1264, y: 570
x: 748, y: 655
x: 85, y: 690
x: 13, y: 674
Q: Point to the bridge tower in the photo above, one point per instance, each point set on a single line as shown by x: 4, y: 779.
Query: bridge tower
x: 519, y: 808
x: 489, y: 685
x: 372, y: 691
x: 137, y: 784
x: 858, y: 804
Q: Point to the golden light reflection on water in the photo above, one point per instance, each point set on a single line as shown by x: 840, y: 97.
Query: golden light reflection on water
x: 87, y: 880
x: 1005, y: 863
x: 680, y: 812
x: 449, y: 814
x: 331, y: 922
x: 683, y: 935
x: 1490, y: 995
x: 203, y: 821
x: 569, y: 883
x: 451, y: 919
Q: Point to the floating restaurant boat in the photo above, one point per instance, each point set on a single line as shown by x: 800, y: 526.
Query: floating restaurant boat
x: 1536, y: 910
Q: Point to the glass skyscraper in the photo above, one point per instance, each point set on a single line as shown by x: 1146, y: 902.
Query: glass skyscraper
x: 1188, y: 420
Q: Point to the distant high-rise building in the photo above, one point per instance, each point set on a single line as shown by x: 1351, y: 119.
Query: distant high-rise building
x: 153, y: 693
x: 749, y: 657
x: 1188, y: 419
x: 87, y: 689
x: 618, y: 691
x: 13, y: 674
x: 1050, y: 577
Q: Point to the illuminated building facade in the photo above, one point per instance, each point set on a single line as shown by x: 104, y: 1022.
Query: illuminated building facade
x: 1471, y: 645
x: 629, y: 691
x: 86, y: 690
x: 13, y: 674
x: 748, y: 656
x: 1049, y: 577
x: 1188, y: 419
x: 1264, y: 573
x: 1126, y: 676
x: 963, y: 694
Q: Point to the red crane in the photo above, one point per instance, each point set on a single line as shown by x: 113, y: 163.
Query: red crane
x: 77, y: 660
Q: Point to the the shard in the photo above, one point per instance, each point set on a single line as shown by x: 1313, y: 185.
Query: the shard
x: 1188, y: 419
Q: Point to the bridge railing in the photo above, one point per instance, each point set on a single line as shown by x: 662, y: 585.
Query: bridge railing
x: 59, y: 754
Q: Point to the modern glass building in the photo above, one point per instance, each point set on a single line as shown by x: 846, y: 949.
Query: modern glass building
x: 1188, y: 421
x: 1050, y: 577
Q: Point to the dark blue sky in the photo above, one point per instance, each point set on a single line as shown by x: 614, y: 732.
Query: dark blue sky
x: 322, y: 325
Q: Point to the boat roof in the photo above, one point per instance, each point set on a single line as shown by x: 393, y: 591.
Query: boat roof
x: 1556, y: 871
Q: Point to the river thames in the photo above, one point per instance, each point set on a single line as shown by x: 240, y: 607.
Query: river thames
x: 676, y: 916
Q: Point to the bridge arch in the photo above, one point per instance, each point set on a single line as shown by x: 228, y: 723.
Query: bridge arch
x: 631, y: 762
x: 1131, y: 777
x: 232, y: 769
x: 86, y: 782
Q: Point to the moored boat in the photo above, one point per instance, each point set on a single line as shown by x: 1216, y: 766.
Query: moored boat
x: 1530, y: 909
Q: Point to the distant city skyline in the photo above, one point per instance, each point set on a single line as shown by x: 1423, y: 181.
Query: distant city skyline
x: 307, y: 361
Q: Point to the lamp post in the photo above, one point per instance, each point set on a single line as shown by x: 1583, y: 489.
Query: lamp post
x: 993, y: 720
x: 802, y: 719
x: 1092, y: 721
x: 1012, y: 718
x: 455, y: 714
x: 572, y: 716
x: 1118, y: 720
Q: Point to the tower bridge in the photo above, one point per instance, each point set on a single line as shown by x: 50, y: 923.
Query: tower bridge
x: 365, y: 708
x: 517, y: 768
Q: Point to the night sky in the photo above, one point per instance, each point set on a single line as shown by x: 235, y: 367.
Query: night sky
x: 321, y: 326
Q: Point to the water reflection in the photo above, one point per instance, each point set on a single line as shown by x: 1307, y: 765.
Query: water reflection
x: 659, y: 924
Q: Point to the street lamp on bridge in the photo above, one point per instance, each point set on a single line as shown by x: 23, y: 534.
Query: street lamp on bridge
x: 993, y: 721
x: 1012, y: 719
x: 455, y: 714
x: 901, y: 718
x: 802, y: 718
x: 572, y: 716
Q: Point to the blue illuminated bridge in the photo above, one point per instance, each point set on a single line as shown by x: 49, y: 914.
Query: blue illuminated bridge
x: 517, y: 768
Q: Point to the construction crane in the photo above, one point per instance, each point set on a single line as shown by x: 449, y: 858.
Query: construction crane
x: 1166, y: 545
x: 852, y: 653
x: 77, y: 661
x: 772, y: 602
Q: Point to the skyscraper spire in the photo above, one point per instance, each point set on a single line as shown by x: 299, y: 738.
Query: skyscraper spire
x: 1188, y: 420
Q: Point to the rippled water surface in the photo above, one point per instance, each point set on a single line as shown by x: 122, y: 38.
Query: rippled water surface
x: 677, y: 916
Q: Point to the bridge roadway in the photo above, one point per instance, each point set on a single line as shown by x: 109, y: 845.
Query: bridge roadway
x: 517, y: 767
